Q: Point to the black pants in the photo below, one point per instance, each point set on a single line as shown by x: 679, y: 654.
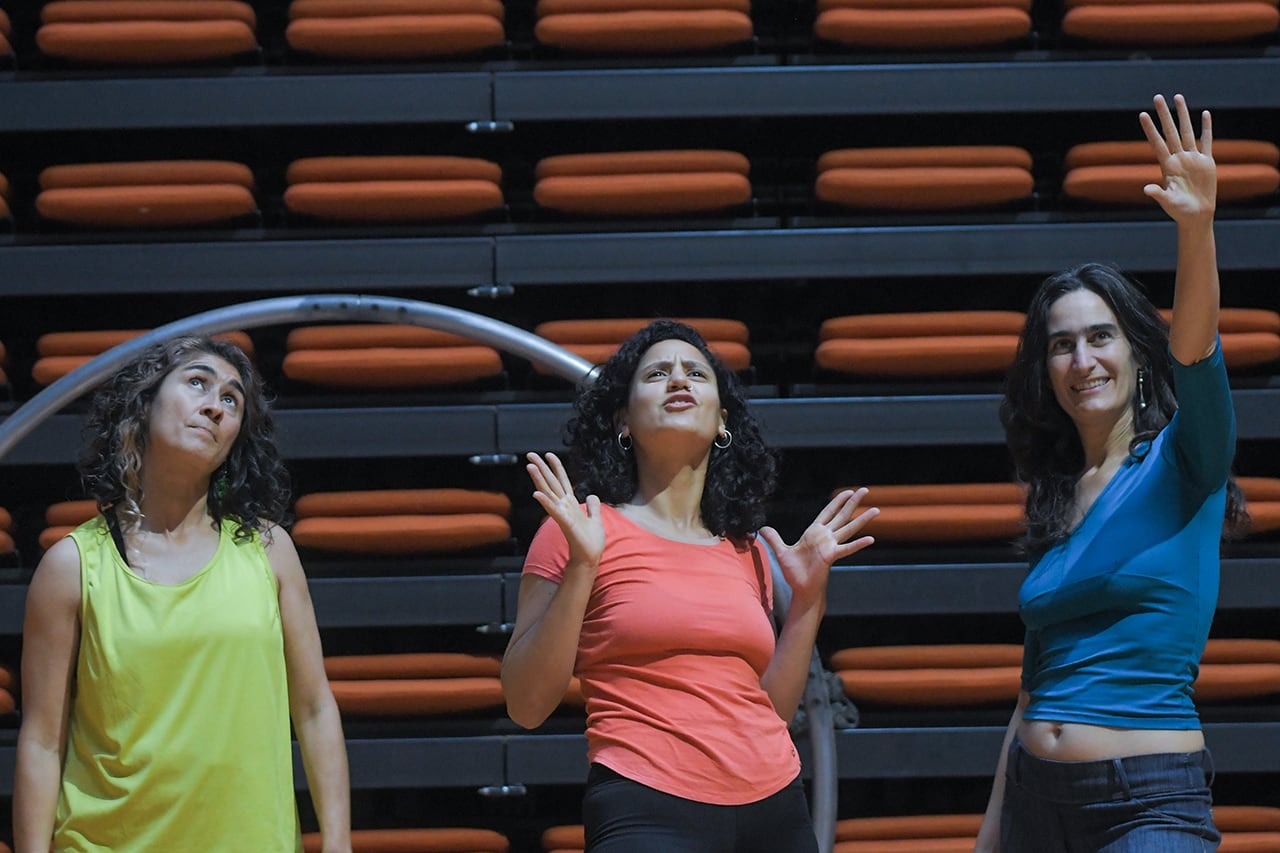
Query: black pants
x: 622, y: 816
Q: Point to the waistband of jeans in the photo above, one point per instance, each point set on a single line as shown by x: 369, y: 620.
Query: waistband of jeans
x: 1109, y: 778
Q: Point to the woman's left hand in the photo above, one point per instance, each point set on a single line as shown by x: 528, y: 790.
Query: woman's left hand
x: 830, y: 537
x: 1190, y: 190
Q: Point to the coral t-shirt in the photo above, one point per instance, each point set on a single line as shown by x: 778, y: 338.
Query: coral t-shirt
x: 674, y: 642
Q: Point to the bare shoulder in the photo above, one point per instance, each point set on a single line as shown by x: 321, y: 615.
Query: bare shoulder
x: 56, y: 581
x: 281, y: 552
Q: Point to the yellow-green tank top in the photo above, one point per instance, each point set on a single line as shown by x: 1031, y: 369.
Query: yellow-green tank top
x: 178, y: 738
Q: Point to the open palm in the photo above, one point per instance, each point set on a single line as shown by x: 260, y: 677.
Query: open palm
x: 830, y: 537
x: 1190, y: 186
x: 582, y: 527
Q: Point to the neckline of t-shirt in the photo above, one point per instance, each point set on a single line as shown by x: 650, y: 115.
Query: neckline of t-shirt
x: 128, y: 570
x: 632, y: 522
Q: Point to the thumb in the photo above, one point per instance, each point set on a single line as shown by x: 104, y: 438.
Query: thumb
x: 593, y: 506
x: 772, y: 538
x: 1154, y: 191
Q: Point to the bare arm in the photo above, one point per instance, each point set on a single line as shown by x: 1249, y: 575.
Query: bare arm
x: 540, y: 657
x: 989, y: 835
x: 806, y: 566
x: 311, y: 705
x: 1189, y: 196
x: 50, y: 644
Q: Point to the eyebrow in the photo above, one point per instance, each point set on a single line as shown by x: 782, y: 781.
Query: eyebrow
x: 667, y: 362
x: 209, y: 371
x: 1096, y: 327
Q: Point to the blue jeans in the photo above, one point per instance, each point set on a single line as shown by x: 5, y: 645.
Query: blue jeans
x: 622, y: 816
x: 1141, y: 804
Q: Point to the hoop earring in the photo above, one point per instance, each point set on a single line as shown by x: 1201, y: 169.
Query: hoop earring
x: 629, y: 442
x: 1142, y: 390
x: 728, y: 439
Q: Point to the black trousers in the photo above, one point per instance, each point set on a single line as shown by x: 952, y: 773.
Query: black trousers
x: 622, y: 816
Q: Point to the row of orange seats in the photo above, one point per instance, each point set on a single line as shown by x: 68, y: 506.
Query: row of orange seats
x: 422, y: 522
x: 1245, y: 829
x: 917, y: 345
x: 160, y: 32
x: 408, y: 189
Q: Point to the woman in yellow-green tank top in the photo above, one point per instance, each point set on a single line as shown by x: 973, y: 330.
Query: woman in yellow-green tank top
x: 170, y: 641
x: 193, y: 712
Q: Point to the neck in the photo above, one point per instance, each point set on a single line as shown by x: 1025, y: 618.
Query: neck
x: 1106, y: 443
x: 671, y: 492
x: 172, y: 499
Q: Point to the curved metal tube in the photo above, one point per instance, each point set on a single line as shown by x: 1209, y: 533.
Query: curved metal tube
x: 294, y: 309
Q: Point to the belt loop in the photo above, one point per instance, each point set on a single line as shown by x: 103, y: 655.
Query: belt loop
x: 1121, y: 787
x: 1210, y: 772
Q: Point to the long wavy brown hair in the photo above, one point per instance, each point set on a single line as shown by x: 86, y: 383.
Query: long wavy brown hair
x: 251, y: 486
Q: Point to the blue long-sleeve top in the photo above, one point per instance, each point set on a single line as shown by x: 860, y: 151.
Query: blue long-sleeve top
x: 1117, y: 615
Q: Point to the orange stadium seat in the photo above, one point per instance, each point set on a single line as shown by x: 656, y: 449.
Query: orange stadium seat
x: 597, y: 340
x: 402, y: 521
x: 925, y: 177
x: 7, y: 544
x: 644, y: 26
x: 1248, y: 829
x: 4, y: 358
x: 643, y: 183
x: 1180, y: 22
x: 436, y: 840
x: 420, y: 684
x: 6, y: 31
x: 920, y: 344
x: 394, y: 29
x: 153, y: 194
x: 1263, y: 497
x: 62, y: 352
x: 5, y: 212
x: 146, y: 32
x: 376, y: 355
x: 61, y: 518
x: 1250, y: 336
x: 940, y: 676
x: 922, y: 24
x: 1114, y: 173
x: 392, y: 189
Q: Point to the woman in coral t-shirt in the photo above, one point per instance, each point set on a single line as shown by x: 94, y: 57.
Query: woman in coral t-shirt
x: 656, y: 593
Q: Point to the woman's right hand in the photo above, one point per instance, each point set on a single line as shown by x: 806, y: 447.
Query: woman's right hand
x: 584, y: 530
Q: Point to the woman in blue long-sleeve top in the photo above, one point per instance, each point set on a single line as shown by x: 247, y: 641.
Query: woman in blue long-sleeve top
x: 1128, y: 490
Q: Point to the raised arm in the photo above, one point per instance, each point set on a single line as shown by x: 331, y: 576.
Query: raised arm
x: 50, y: 643
x: 311, y: 705
x: 806, y: 566
x: 1189, y: 195
x: 539, y: 660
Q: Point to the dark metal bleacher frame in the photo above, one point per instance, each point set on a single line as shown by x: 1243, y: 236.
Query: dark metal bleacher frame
x: 495, y: 95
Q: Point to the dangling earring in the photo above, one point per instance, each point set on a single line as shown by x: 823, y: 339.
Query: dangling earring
x: 1142, y: 390
x: 625, y: 441
x: 726, y: 436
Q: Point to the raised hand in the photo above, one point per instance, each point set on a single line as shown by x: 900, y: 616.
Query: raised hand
x: 1190, y: 189
x: 554, y: 493
x: 830, y: 537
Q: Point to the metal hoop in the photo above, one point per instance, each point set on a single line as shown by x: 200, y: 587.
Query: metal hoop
x: 728, y: 439
x: 630, y: 442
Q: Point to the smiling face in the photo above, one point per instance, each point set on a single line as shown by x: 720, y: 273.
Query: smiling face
x: 673, y: 391
x: 1090, y: 362
x: 198, y: 409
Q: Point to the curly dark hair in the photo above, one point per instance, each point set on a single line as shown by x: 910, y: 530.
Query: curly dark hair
x: 1043, y: 439
x: 256, y: 488
x: 740, y: 478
